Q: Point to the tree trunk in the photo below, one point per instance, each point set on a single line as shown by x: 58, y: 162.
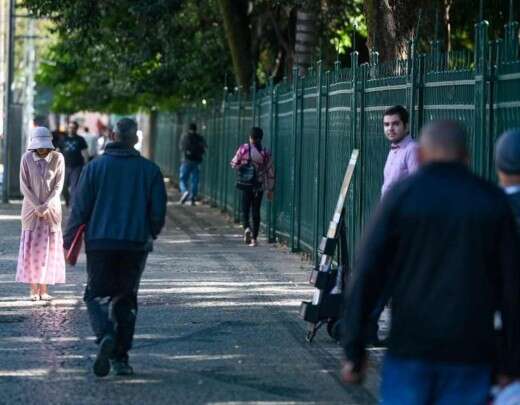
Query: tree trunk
x: 391, y: 24
x: 306, y: 37
x: 236, y: 25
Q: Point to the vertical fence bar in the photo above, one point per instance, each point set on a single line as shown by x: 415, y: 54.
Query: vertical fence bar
x: 223, y: 150
x: 324, y: 189
x: 236, y: 195
x: 481, y: 76
x: 295, y: 160
x: 317, y: 164
x: 271, y: 221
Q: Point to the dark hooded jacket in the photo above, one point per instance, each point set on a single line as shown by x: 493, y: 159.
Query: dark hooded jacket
x: 121, y: 198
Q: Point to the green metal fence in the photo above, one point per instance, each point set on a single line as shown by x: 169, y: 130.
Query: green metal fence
x: 312, y: 123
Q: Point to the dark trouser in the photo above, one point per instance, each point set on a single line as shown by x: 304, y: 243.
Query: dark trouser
x: 251, y: 203
x: 70, y: 182
x: 111, y: 295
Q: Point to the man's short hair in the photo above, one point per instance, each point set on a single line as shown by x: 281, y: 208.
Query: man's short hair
x: 192, y: 127
x: 40, y: 121
x: 126, y: 129
x: 398, y: 110
x: 75, y: 123
x: 447, y: 138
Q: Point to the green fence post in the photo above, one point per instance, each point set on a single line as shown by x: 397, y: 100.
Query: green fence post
x: 271, y: 223
x: 412, y: 83
x: 324, y: 189
x: 511, y: 42
x: 317, y: 163
x: 222, y: 148
x: 481, y: 76
x: 295, y: 159
x: 236, y: 195
x: 356, y: 135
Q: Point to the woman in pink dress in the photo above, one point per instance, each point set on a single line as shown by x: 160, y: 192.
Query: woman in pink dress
x: 41, y: 260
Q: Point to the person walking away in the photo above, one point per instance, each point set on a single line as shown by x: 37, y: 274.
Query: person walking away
x: 118, y: 238
x: 193, y: 147
x: 40, y: 259
x: 75, y: 151
x: 443, y: 243
x: 254, y: 153
x: 91, y: 140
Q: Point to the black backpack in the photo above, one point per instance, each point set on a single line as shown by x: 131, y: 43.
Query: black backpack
x: 247, y: 179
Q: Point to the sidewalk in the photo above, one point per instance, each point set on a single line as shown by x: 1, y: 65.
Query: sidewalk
x: 217, y: 323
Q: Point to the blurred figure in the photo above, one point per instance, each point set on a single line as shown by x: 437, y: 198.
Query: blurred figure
x: 75, y: 151
x: 57, y: 137
x: 507, y: 158
x: 253, y: 153
x: 443, y: 243
x: 119, y: 235
x: 40, y: 260
x: 193, y: 147
x: 91, y: 140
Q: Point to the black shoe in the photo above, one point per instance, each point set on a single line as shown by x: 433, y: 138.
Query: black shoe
x: 102, y: 364
x: 193, y: 202
x: 121, y: 367
x: 185, y: 197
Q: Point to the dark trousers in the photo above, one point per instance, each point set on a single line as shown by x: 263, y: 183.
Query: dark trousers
x: 251, y: 203
x: 70, y: 182
x: 111, y: 295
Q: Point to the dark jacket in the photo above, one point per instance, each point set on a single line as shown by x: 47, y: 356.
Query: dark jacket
x: 444, y: 243
x: 193, y: 147
x: 514, y: 200
x: 122, y: 199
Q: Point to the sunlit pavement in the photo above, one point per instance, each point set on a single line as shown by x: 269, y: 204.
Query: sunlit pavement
x: 217, y: 324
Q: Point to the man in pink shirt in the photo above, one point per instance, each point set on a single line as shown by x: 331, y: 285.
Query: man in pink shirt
x: 402, y: 159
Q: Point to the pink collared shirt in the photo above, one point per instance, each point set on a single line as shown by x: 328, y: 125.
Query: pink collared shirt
x: 402, y: 161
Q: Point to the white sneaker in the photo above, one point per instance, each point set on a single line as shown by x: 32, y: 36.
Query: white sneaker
x: 247, y: 236
x: 185, y: 197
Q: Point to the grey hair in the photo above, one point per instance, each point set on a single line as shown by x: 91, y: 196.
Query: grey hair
x: 126, y: 129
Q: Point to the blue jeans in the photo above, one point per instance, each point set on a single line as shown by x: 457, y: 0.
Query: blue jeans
x: 189, y: 169
x: 421, y: 382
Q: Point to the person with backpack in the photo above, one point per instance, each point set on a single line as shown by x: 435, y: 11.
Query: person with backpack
x: 193, y: 147
x: 255, y: 175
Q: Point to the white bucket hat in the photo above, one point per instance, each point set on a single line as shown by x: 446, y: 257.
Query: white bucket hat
x: 41, y: 138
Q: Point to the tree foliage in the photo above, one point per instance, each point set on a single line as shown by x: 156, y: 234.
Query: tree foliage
x: 120, y: 55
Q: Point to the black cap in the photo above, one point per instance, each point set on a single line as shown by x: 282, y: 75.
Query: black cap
x: 507, y: 152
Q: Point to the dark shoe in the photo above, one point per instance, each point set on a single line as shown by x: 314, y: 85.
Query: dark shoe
x: 102, y: 364
x: 121, y: 367
x: 193, y: 202
x: 185, y: 197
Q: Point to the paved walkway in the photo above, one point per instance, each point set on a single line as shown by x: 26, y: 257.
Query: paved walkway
x: 217, y: 324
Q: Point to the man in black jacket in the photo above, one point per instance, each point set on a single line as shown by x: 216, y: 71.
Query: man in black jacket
x: 122, y: 200
x: 507, y: 157
x: 444, y: 243
x: 192, y: 147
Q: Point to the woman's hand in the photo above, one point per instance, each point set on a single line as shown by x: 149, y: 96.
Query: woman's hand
x: 270, y: 195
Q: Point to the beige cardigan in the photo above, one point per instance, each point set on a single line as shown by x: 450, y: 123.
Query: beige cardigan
x: 41, y: 193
